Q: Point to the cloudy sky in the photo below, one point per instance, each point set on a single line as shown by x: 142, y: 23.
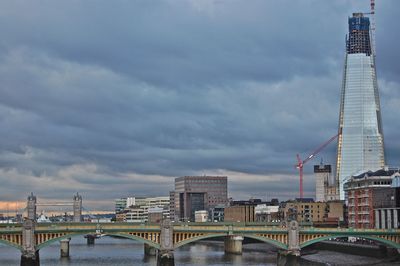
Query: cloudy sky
x: 117, y: 98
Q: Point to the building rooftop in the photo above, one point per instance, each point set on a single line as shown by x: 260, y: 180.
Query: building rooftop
x: 381, y: 172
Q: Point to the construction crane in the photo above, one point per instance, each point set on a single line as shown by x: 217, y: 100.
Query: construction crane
x: 373, y: 25
x: 300, y: 163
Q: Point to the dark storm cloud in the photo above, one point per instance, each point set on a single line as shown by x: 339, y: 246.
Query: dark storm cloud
x: 115, y: 100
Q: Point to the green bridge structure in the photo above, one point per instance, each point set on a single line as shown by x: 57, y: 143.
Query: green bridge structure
x: 30, y: 236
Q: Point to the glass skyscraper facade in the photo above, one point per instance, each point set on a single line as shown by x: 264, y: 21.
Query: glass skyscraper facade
x: 360, y: 142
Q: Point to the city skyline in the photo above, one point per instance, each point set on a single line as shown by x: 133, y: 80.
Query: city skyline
x: 112, y: 101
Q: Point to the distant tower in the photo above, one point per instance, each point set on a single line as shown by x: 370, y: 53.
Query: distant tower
x: 31, y: 207
x: 322, y: 179
x: 77, y: 205
x: 325, y: 183
x: 360, y: 144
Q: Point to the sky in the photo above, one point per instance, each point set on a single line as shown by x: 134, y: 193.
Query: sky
x: 118, y: 98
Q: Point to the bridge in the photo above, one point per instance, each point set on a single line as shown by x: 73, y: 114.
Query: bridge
x: 29, y: 237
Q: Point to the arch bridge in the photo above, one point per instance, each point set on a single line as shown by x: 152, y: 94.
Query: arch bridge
x: 30, y: 237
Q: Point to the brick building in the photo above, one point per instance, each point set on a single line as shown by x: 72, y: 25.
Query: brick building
x: 372, y: 200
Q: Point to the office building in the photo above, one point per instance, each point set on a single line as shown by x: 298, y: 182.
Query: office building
x: 360, y: 142
x: 194, y: 193
x: 120, y: 204
x: 139, y: 208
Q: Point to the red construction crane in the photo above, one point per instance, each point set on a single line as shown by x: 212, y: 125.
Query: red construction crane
x: 301, y: 163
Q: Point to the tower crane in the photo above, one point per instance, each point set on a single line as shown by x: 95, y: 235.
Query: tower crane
x: 300, y: 163
x: 373, y: 25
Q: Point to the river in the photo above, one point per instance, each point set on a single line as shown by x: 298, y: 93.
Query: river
x: 122, y: 252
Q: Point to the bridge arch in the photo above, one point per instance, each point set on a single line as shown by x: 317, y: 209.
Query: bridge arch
x: 270, y: 241
x: 127, y: 236
x: 375, y: 238
x: 260, y: 238
x: 197, y: 238
x: 10, y: 244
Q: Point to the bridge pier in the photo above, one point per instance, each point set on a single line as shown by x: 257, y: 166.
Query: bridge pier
x: 30, y: 258
x: 233, y: 244
x: 165, y: 258
x: 288, y: 258
x: 64, y: 248
x: 90, y: 239
x: 291, y: 257
x: 149, y: 250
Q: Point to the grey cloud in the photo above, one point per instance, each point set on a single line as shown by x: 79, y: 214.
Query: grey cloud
x: 176, y: 88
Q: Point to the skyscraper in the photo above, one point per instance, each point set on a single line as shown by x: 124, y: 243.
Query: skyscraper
x: 360, y: 144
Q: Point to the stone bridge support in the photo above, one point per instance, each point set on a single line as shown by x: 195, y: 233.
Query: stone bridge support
x: 64, y: 248
x: 291, y: 257
x: 165, y: 255
x: 29, y: 257
x: 233, y: 244
x: 90, y: 239
x: 149, y: 250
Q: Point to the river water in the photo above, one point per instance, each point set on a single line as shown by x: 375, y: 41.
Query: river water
x: 122, y: 252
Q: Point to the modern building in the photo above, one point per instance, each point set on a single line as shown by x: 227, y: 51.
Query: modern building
x: 217, y: 213
x: 120, y: 204
x: 139, y: 211
x: 194, y: 193
x: 172, y: 214
x: 360, y: 141
x: 326, y: 188
x: 374, y: 199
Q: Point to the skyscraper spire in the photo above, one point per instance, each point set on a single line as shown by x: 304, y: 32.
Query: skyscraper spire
x: 360, y: 144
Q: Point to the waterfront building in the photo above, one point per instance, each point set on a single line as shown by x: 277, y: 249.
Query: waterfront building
x: 155, y: 215
x: 217, y: 213
x: 120, y: 204
x: 240, y: 213
x: 374, y: 199
x: 267, y: 213
x: 194, y: 193
x: 326, y: 188
x: 172, y: 206
x: 360, y: 142
x: 139, y: 212
x: 329, y: 213
x: 201, y: 216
